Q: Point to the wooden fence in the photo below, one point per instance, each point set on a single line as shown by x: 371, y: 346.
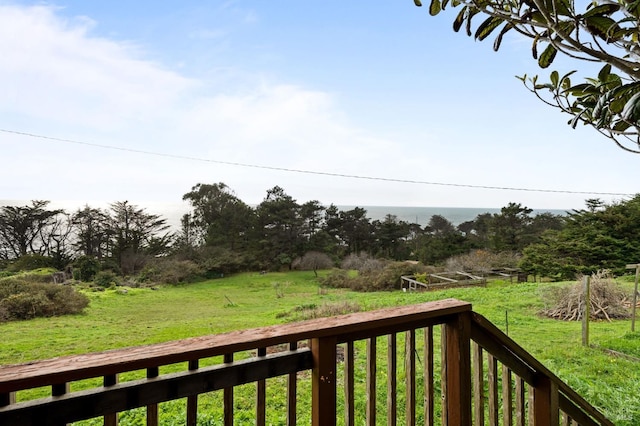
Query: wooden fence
x: 440, y: 363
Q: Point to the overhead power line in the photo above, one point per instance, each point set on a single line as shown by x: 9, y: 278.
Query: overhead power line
x: 309, y: 172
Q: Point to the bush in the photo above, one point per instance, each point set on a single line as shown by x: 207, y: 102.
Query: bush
x: 106, y: 279
x: 21, y: 299
x: 363, y: 263
x: 482, y: 261
x: 387, y: 278
x: 170, y: 271
x: 29, y: 262
x: 85, y: 268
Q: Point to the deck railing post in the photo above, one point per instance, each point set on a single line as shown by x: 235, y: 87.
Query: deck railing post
x: 458, y: 370
x: 323, y: 381
x: 545, y: 403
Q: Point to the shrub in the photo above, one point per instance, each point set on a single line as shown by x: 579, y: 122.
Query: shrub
x: 21, y: 299
x: 387, y: 278
x: 106, y: 279
x: 170, y: 271
x: 362, y: 263
x: 29, y: 262
x: 482, y: 261
x: 85, y: 268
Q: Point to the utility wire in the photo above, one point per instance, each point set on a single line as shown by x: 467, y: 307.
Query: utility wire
x: 309, y: 172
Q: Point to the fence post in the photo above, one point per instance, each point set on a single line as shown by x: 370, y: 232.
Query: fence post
x: 323, y: 381
x: 458, y: 370
x: 587, y: 310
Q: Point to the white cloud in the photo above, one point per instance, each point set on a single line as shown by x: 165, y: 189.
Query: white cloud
x: 64, y: 82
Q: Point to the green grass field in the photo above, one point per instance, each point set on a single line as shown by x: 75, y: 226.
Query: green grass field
x: 141, y: 316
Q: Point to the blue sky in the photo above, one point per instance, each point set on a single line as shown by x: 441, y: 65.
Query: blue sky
x: 373, y: 89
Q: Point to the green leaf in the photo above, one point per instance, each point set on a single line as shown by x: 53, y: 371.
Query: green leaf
x: 417, y: 3
x: 547, y: 56
x: 602, y: 10
x: 498, y: 40
x: 457, y: 23
x: 604, y: 72
x: 622, y: 96
x: 487, y: 27
x: 621, y: 126
x: 435, y: 7
x: 554, y: 77
x: 631, y: 111
x: 603, y: 27
x: 602, y: 103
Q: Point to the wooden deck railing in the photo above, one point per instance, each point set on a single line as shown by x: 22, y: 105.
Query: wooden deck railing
x: 471, y: 374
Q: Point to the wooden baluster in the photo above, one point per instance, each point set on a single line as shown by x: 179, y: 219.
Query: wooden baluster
x: 478, y: 385
x: 261, y: 391
x: 323, y: 381
x: 428, y: 377
x: 392, y: 388
x: 492, y: 377
x: 520, y: 402
x: 410, y: 377
x: 545, y: 403
x: 292, y: 392
x: 371, y: 381
x: 507, y: 398
x: 152, y: 410
x: 531, y: 411
x: 566, y: 419
x: 192, y: 401
x: 7, y: 398
x: 443, y: 375
x: 227, y: 396
x: 458, y: 360
x: 349, y: 363
x: 59, y: 390
x: 111, y: 419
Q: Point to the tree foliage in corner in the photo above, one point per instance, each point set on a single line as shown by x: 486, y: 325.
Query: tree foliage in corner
x: 606, y: 32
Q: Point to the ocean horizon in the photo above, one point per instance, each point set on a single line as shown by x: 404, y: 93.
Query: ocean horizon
x: 173, y: 212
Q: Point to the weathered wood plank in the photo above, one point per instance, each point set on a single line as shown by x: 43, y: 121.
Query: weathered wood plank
x: 521, y: 417
x: 152, y: 409
x: 323, y: 382
x: 392, y: 386
x: 111, y: 419
x: 192, y: 400
x: 349, y: 396
x: 410, y: 377
x: 458, y: 361
x: 371, y: 382
x: 478, y: 385
x: 227, y: 396
x: 507, y: 397
x: 261, y: 395
x: 492, y: 378
x: 428, y: 377
x: 545, y: 403
x: 343, y: 328
x: 139, y: 393
x: 292, y: 392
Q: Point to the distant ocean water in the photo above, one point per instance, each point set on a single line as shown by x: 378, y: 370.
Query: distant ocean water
x: 173, y: 212
x: 421, y: 215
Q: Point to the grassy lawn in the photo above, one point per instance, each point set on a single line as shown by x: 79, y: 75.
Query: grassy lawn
x: 142, y: 316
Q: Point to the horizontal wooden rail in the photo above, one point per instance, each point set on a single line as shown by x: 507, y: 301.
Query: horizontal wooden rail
x: 521, y: 391
x: 345, y: 327
x: 139, y: 393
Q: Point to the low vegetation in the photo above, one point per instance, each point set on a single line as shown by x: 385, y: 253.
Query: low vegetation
x: 116, y: 318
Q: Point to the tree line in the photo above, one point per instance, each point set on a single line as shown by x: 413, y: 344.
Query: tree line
x: 223, y: 234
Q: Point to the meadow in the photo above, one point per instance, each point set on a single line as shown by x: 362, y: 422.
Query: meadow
x: 123, y: 317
